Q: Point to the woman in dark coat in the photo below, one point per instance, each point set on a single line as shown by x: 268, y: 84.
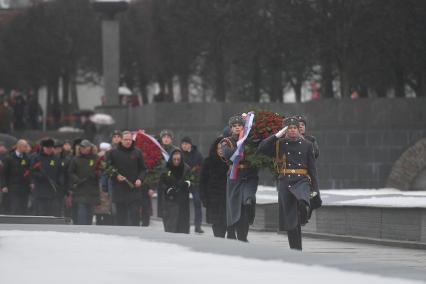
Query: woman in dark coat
x: 213, y: 190
x: 174, y: 185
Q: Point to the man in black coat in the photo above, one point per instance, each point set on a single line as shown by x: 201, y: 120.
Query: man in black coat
x: 16, y: 183
x: 297, y: 179
x: 193, y: 158
x: 45, y: 174
x: 127, y: 183
x: 4, y: 205
x: 64, y: 158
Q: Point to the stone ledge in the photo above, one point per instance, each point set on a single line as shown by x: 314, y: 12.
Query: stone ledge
x: 394, y: 224
x: 17, y: 219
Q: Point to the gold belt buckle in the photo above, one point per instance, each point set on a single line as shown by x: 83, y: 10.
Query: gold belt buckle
x: 293, y: 171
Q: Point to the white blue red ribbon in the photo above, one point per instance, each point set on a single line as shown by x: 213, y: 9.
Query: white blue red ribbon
x: 239, y: 153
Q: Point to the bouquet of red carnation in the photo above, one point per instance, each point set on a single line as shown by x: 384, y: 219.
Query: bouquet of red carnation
x: 265, y: 124
x: 152, y: 157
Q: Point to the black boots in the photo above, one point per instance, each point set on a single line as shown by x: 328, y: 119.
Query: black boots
x: 295, y: 238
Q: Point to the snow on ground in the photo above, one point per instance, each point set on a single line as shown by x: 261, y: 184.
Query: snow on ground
x: 393, y: 201
x: 52, y: 257
x: 372, y: 192
x: 382, y: 197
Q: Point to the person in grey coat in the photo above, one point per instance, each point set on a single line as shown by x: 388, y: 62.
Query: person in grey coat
x: 84, y: 183
x: 241, y: 189
x: 297, y: 180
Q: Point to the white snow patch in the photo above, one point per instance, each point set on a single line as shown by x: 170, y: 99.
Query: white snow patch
x: 384, y: 197
x: 354, y: 192
x: 394, y: 202
x: 52, y: 257
x: 265, y: 188
x: 372, y: 192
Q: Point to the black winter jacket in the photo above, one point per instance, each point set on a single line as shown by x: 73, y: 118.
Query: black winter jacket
x: 16, y: 173
x: 130, y: 163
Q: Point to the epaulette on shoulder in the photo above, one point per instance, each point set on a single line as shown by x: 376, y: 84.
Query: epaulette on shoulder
x: 228, y: 142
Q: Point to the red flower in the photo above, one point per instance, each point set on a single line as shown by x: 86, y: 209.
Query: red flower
x: 151, y: 152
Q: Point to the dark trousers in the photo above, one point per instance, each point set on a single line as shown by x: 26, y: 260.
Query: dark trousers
x: 104, y: 219
x: 146, y: 210
x: 58, y: 206
x: 44, y: 206
x: 5, y: 204
x: 84, y: 214
x: 18, y: 203
x: 295, y: 235
x: 127, y: 213
x: 295, y: 238
x: 242, y: 226
x: 220, y: 230
x: 198, y: 215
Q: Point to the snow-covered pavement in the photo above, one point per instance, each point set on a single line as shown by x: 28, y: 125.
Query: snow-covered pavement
x: 385, y: 197
x: 97, y: 254
x: 52, y: 257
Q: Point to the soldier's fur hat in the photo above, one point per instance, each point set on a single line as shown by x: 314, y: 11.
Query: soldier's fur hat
x: 236, y: 119
x: 47, y: 142
x: 291, y: 121
x: 167, y: 132
x: 301, y: 118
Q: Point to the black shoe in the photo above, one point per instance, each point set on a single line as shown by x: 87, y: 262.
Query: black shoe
x: 199, y: 231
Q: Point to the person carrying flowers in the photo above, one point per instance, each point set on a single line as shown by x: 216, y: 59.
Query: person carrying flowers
x: 242, y: 178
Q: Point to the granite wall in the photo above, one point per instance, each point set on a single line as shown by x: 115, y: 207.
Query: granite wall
x: 359, y: 140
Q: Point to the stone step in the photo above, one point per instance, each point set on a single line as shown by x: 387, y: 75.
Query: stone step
x: 18, y: 219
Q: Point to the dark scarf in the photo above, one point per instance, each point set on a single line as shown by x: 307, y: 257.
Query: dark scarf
x: 130, y: 149
x: 177, y: 171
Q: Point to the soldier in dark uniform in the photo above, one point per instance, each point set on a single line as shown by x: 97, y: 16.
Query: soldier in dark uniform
x: 17, y: 178
x: 297, y: 178
x: 241, y: 190
x: 45, y: 173
x: 310, y: 138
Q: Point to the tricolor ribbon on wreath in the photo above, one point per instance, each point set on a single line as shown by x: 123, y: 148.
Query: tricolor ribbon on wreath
x: 239, y: 153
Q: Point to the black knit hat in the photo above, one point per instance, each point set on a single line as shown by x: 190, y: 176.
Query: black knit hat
x: 47, y: 142
x: 186, y: 139
x: 116, y: 132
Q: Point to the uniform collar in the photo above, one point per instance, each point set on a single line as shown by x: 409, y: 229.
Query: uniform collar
x: 297, y: 139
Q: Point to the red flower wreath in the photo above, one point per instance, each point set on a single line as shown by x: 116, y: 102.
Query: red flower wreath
x: 152, y: 157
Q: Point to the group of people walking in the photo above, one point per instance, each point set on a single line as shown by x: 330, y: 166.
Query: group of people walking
x: 82, y: 180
